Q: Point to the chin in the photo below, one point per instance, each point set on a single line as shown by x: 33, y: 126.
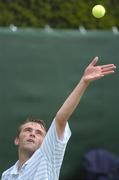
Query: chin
x: 30, y: 149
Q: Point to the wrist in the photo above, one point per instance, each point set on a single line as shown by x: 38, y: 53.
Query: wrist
x: 85, y: 81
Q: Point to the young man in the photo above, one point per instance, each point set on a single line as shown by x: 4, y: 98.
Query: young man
x: 40, y: 153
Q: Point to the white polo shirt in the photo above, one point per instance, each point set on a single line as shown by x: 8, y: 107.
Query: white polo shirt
x: 46, y: 162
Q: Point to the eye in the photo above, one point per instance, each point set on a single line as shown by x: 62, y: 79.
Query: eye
x: 38, y: 132
x: 28, y: 129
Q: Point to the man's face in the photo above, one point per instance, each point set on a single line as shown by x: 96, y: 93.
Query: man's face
x: 31, y: 137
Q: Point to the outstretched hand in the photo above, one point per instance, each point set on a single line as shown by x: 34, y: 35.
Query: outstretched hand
x: 93, y: 72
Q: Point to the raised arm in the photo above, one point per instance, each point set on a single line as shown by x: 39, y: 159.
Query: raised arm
x: 91, y: 73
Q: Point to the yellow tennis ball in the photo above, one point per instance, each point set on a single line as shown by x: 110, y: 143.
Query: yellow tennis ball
x: 98, y: 11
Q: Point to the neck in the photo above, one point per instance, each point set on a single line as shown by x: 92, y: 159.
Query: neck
x: 23, y: 157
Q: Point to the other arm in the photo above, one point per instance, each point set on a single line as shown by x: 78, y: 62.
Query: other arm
x: 91, y: 73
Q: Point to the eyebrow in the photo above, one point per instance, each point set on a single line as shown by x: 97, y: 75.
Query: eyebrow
x: 30, y: 128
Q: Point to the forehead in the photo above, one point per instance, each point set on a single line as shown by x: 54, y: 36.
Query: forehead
x: 32, y: 125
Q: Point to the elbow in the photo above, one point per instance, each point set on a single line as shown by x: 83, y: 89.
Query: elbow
x: 61, y: 117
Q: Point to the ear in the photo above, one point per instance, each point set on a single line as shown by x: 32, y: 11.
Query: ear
x: 16, y: 141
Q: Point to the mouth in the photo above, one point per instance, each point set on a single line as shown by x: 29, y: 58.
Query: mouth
x: 31, y: 140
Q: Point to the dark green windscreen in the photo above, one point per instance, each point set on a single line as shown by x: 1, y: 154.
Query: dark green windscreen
x: 38, y: 70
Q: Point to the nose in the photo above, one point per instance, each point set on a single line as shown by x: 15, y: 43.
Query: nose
x: 32, y: 134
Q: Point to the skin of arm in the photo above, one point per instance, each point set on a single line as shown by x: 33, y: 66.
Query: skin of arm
x: 92, y: 72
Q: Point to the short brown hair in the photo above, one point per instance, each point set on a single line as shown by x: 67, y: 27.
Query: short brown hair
x: 39, y: 121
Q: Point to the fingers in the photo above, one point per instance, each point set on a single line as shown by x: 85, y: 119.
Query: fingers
x: 108, y: 69
x: 108, y: 72
x: 108, y: 66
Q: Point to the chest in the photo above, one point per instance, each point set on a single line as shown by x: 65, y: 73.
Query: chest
x: 37, y: 170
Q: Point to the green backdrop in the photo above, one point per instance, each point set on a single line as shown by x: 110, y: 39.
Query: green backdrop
x: 38, y: 70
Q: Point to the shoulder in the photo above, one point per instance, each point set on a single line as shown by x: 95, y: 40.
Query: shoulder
x: 53, y: 134
x: 8, y: 171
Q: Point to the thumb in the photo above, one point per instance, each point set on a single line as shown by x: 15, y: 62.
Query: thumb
x: 94, y: 61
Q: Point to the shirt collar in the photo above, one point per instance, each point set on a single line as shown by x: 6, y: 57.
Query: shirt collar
x: 15, y: 167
